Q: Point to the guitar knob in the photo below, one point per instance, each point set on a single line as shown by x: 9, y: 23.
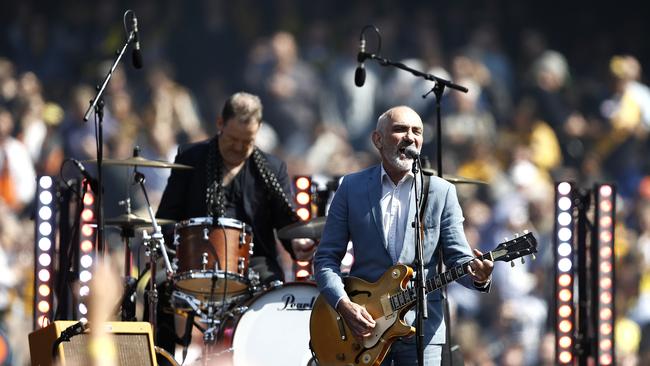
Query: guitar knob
x: 533, y: 256
x: 522, y: 260
x: 512, y: 264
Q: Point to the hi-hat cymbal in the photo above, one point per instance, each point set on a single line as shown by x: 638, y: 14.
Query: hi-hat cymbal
x: 140, y: 161
x: 133, y: 220
x: 312, y: 229
x: 455, y: 179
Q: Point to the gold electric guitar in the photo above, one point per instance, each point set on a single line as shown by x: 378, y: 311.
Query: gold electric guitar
x: 387, y: 301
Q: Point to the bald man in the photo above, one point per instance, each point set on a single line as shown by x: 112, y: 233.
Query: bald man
x: 374, y: 209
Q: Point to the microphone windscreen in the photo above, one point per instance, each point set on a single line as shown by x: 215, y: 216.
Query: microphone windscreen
x: 360, y: 76
x: 411, y: 152
x: 137, y: 59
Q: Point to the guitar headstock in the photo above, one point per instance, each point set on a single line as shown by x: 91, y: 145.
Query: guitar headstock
x: 516, y: 248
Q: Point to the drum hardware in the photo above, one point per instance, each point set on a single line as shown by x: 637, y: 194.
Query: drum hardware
x: 254, y: 280
x: 242, y: 236
x: 274, y: 284
x: 204, y: 260
x: 205, y: 234
x: 241, y: 265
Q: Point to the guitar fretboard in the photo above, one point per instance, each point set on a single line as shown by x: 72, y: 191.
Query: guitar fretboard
x: 408, y: 296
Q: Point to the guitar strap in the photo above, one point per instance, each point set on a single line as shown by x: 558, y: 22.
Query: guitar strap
x: 426, y: 179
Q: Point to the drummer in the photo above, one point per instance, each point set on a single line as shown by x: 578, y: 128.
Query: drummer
x: 233, y: 178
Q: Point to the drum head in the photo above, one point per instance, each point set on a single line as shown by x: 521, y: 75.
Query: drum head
x: 274, y: 331
x: 201, y: 282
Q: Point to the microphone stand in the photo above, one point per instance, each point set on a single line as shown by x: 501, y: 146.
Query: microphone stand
x: 420, y: 281
x: 437, y: 90
x: 97, y: 105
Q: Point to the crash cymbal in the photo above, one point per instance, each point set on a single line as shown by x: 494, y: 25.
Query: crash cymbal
x: 133, y: 220
x: 312, y: 229
x: 455, y: 179
x: 140, y: 161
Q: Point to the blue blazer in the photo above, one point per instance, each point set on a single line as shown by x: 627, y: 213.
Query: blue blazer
x: 355, y: 214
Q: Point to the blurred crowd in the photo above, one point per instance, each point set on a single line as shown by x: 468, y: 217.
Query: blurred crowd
x: 548, y: 100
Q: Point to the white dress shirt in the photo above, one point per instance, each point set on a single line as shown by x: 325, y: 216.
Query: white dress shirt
x: 395, y: 203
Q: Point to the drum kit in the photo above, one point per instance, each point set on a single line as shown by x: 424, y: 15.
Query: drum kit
x: 239, y: 317
x: 214, y: 288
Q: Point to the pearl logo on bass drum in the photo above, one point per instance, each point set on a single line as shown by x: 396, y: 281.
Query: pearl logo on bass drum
x: 290, y: 303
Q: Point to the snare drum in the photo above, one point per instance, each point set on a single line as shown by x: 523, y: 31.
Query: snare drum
x: 212, y: 257
x: 274, y: 330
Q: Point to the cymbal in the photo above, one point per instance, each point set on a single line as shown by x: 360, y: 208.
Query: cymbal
x: 312, y: 229
x: 133, y: 220
x: 140, y: 161
x: 455, y: 179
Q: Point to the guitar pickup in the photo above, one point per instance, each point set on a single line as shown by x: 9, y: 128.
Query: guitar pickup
x: 386, y: 306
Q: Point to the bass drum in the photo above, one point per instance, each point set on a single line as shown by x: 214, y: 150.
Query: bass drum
x: 274, y: 330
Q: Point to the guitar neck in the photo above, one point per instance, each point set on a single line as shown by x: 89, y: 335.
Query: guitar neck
x: 407, y: 297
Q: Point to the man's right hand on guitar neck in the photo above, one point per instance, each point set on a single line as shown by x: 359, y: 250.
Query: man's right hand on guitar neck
x: 356, y: 317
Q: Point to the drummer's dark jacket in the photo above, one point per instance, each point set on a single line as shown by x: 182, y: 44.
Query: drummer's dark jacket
x: 185, y: 197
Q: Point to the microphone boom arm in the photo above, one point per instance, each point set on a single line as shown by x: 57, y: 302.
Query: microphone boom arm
x: 385, y: 62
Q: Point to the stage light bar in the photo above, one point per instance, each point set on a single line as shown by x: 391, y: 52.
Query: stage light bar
x: 303, y: 197
x: 86, y: 260
x: 303, y: 270
x: 564, y: 274
x: 603, y: 271
x: 44, y: 244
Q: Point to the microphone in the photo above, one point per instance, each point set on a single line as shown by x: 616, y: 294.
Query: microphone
x: 360, y: 73
x: 137, y: 55
x: 94, y: 185
x: 412, y: 152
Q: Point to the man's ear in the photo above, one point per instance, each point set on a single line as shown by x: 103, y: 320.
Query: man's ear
x: 219, y: 124
x: 376, y: 139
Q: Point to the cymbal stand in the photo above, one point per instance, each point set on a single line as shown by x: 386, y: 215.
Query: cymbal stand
x: 153, y: 243
x: 127, y: 311
x: 128, y: 231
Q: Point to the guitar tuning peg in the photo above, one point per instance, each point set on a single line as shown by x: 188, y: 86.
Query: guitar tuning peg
x: 522, y: 260
x: 505, y: 238
x: 516, y: 235
x: 525, y: 232
x: 533, y: 256
x: 512, y: 264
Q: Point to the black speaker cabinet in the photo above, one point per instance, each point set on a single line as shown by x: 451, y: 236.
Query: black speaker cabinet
x: 133, y: 342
